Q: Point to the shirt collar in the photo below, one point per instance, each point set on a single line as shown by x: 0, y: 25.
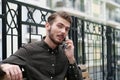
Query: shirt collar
x: 46, y: 46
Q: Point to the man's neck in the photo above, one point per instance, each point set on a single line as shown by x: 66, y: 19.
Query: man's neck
x: 50, y: 42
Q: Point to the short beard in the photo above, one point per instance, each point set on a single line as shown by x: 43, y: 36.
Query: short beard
x: 55, y: 42
x: 51, y: 38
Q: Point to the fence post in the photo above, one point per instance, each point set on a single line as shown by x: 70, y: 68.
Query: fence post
x: 19, y: 26
x: 4, y: 47
x: 83, y: 42
x: 73, y: 35
x: 109, y: 53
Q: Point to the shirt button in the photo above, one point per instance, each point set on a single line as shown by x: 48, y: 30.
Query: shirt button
x: 48, y: 50
x: 73, y: 66
x: 53, y: 64
x: 52, y: 52
x: 76, y: 75
x: 51, y: 77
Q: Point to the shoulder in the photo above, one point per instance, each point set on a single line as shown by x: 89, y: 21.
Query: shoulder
x: 32, y: 45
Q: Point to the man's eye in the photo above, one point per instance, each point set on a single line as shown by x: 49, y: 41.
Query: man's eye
x: 67, y: 29
x: 60, y: 26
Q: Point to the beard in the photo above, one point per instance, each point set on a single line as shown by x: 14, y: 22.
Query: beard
x: 51, y: 36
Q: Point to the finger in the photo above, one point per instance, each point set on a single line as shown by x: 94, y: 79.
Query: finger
x: 69, y: 41
x: 70, y: 46
x: 20, y: 74
x: 16, y: 73
x: 8, y: 77
x: 12, y: 74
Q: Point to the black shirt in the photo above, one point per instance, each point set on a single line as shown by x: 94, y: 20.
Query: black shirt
x: 40, y: 62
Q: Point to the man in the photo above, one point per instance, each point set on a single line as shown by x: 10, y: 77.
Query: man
x: 46, y: 59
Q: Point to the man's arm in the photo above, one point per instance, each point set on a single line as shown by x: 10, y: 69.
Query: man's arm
x: 73, y: 72
x: 12, y: 65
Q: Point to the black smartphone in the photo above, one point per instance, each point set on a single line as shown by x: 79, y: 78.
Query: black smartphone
x: 64, y: 45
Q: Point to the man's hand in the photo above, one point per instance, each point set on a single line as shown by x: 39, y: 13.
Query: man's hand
x: 69, y: 51
x: 13, y: 72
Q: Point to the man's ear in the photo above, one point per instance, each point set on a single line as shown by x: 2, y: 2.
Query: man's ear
x: 47, y: 26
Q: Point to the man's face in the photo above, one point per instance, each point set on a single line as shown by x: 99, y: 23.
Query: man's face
x: 58, y: 31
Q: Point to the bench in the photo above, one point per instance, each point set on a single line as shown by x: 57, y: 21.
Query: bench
x: 85, y: 73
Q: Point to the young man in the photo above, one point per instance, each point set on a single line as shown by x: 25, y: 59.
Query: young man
x: 46, y: 59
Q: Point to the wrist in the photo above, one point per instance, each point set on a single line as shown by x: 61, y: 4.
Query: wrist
x: 71, y: 60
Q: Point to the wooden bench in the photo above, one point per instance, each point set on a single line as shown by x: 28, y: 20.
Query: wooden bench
x: 85, y: 73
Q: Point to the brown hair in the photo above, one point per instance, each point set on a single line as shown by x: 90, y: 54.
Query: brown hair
x: 62, y: 14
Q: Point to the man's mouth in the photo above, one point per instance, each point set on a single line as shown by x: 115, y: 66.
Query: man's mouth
x: 61, y: 38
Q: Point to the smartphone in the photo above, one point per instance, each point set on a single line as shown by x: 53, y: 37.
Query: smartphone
x: 64, y: 45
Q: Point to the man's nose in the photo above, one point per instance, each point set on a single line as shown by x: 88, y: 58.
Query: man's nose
x: 63, y: 30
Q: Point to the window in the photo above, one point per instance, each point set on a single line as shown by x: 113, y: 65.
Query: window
x: 82, y: 6
x: 98, y: 8
x: 49, y: 3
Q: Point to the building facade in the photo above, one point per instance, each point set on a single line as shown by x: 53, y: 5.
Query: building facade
x: 102, y: 11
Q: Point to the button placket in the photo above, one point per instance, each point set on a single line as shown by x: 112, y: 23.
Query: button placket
x: 52, y: 71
